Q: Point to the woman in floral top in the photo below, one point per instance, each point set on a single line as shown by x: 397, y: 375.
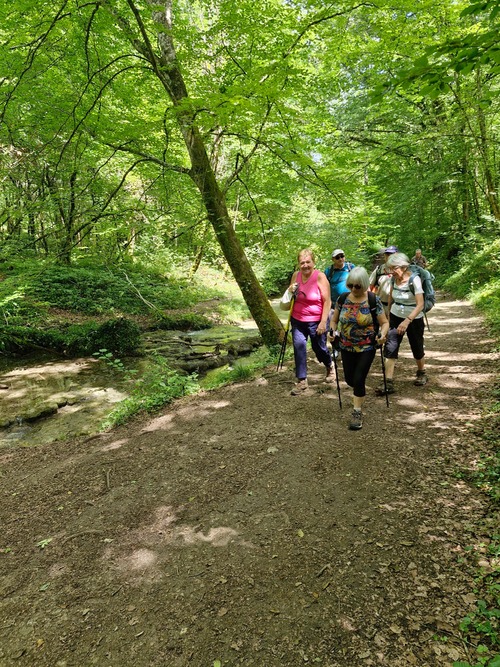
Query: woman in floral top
x: 353, y: 323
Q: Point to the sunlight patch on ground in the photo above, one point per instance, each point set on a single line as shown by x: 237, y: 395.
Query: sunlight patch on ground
x: 114, y: 445
x: 411, y: 403
x: 145, y: 551
x: 141, y: 559
x: 165, y: 422
x: 217, y: 537
x: 52, y: 368
x: 462, y: 356
x: 452, y: 322
x: 452, y: 382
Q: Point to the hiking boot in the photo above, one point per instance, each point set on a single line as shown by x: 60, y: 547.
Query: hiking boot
x: 381, y: 391
x: 299, y: 387
x: 330, y: 374
x: 356, y: 420
x: 421, y: 379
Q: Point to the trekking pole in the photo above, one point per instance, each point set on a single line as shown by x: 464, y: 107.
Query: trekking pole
x: 281, y: 357
x: 334, y: 355
x: 427, y: 322
x: 383, y: 375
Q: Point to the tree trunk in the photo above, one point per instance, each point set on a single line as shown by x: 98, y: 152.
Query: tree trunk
x: 167, y: 70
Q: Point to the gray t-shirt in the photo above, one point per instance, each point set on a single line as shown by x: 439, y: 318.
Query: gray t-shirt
x: 403, y: 299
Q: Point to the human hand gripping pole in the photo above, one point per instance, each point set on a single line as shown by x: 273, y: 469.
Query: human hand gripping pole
x: 281, y: 357
x: 383, y: 370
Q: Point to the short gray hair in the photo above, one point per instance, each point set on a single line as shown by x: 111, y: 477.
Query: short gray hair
x: 359, y: 276
x: 398, y: 259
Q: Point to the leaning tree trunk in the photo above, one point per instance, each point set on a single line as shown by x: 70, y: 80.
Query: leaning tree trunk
x: 166, y: 68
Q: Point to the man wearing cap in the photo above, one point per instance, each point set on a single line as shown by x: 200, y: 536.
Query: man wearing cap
x: 337, y: 274
x: 380, y: 279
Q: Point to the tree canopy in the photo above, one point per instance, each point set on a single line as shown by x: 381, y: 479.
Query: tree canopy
x: 241, y: 132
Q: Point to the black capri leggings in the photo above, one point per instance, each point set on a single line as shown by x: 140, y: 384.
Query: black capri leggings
x: 356, y: 367
x: 415, y: 333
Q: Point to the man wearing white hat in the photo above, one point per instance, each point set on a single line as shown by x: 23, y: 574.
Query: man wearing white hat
x: 337, y: 274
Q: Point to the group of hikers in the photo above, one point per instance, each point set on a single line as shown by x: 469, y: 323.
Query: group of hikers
x: 357, y: 313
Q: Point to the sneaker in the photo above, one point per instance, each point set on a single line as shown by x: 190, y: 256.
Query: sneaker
x: 330, y: 374
x: 356, y: 420
x: 299, y: 387
x: 421, y: 379
x: 381, y: 390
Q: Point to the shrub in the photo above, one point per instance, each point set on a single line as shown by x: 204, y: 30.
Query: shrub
x: 120, y: 336
x: 14, y: 338
x: 277, y: 275
x: 184, y: 322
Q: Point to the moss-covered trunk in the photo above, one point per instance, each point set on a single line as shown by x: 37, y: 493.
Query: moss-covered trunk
x: 166, y: 68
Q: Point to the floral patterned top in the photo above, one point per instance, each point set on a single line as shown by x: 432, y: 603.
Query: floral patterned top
x: 357, y: 333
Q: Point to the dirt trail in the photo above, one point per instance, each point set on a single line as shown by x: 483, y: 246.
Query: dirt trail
x: 251, y: 527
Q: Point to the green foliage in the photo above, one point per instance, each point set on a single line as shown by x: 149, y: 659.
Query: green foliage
x: 478, y: 279
x: 483, y: 624
x: 113, y: 363
x: 97, y: 291
x: 121, y: 336
x: 233, y: 310
x: 183, y: 322
x: 15, y: 338
x: 158, y: 386
x: 276, y: 275
x: 223, y: 376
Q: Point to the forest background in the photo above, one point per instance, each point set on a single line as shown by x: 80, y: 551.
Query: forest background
x: 140, y: 141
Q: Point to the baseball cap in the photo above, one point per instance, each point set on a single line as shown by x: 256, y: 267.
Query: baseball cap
x: 391, y: 250
x: 337, y: 252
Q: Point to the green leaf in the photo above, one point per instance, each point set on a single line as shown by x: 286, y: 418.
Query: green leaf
x: 465, y: 67
x: 474, y: 9
x: 495, y: 661
x: 43, y: 543
x: 217, y: 663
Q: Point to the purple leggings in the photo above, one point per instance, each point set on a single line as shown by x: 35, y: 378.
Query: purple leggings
x: 301, y: 331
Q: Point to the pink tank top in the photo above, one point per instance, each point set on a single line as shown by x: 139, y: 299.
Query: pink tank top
x: 308, y: 306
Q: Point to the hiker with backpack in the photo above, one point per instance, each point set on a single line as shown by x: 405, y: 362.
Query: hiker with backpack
x: 380, y: 279
x: 337, y: 274
x: 309, y: 316
x: 357, y: 318
x: 406, y: 302
x: 419, y: 259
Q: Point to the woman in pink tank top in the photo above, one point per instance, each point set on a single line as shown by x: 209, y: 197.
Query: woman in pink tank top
x: 309, y: 318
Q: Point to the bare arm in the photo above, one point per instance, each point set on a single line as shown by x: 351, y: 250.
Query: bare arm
x: 293, y: 283
x: 324, y: 288
x: 384, y: 327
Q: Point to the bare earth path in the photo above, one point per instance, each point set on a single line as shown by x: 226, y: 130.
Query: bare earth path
x: 251, y: 527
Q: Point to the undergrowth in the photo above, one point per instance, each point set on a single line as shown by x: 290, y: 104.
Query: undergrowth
x: 157, y: 387
x: 481, y: 627
x: 478, y: 279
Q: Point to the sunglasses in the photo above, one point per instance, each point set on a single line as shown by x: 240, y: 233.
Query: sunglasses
x: 339, y: 257
x: 353, y: 286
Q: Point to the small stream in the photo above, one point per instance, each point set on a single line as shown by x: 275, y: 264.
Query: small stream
x: 45, y: 399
